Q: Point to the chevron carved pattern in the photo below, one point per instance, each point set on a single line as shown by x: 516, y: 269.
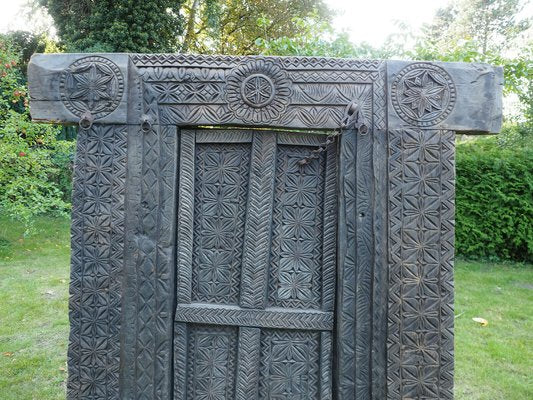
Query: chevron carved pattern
x: 256, y: 252
x: 269, y: 318
x: 248, y: 363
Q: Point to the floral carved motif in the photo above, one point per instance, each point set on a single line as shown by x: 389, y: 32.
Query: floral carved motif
x: 258, y: 91
x: 221, y: 187
x: 94, y: 84
x: 423, y: 94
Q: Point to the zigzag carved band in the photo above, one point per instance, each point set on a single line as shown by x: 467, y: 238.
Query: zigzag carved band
x: 268, y: 318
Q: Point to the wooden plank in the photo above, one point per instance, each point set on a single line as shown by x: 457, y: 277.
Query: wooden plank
x: 256, y: 253
x: 275, y: 318
x: 247, y: 384
x: 185, y: 216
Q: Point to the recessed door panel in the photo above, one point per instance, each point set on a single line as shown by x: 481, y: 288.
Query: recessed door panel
x: 255, y: 266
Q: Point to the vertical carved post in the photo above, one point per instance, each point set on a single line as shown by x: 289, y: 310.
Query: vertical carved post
x: 427, y: 103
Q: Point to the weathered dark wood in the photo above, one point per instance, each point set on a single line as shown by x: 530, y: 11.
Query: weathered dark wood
x: 297, y: 92
x: 213, y: 262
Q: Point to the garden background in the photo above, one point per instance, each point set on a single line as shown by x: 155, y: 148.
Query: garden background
x: 494, y: 203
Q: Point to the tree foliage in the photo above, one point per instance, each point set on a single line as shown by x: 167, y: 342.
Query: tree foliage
x: 490, y: 25
x: 35, y: 167
x: 197, y: 26
x: 233, y: 26
x: 116, y: 25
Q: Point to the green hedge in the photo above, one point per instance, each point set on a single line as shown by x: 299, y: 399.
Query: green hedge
x: 494, y: 200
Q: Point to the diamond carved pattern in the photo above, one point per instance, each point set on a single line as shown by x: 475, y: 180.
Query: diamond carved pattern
x: 211, y: 367
x: 420, y: 317
x: 297, y: 230
x: 96, y: 263
x: 221, y: 190
x: 289, y: 366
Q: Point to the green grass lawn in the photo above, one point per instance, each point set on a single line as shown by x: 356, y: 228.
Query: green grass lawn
x: 492, y: 362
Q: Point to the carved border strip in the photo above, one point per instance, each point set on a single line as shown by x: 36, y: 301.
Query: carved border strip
x: 345, y: 342
x: 171, y: 60
x: 256, y: 249
x: 296, y: 92
x: 249, y: 356
x: 148, y: 374
x: 421, y: 206
x: 227, y: 315
x: 185, y: 215
x: 96, y: 263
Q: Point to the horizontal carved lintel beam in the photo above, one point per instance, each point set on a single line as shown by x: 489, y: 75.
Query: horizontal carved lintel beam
x: 290, y: 92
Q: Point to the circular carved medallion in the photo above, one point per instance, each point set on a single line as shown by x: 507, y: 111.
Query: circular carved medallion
x: 258, y: 91
x: 423, y: 94
x: 93, y: 84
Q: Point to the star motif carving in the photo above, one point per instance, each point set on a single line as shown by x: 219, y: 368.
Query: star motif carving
x: 423, y: 94
x: 93, y: 84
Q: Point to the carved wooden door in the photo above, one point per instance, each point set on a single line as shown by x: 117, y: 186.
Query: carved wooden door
x: 256, y: 266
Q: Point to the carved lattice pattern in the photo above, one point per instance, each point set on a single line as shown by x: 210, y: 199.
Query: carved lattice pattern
x: 96, y: 263
x: 295, y: 279
x: 421, y: 280
x: 289, y: 365
x: 221, y: 189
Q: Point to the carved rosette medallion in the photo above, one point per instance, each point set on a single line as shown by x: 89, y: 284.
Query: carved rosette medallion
x: 94, y: 84
x: 258, y: 91
x: 423, y: 94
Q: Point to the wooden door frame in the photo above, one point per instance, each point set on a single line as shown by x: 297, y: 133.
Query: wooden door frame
x: 395, y: 299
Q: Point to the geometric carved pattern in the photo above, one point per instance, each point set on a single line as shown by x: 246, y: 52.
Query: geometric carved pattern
x: 289, y: 365
x: 258, y: 91
x: 423, y: 94
x: 420, y: 342
x: 148, y: 307
x: 93, y: 84
x: 96, y: 263
x: 220, y: 204
x: 244, y: 344
x: 211, y: 363
x: 252, y: 183
x: 295, y: 279
x: 263, y: 91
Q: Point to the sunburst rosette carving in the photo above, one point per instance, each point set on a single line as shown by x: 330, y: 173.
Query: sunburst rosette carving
x: 258, y: 91
x: 423, y: 94
x: 94, y: 84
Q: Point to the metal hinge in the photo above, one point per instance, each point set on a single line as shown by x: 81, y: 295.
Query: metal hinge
x: 351, y: 120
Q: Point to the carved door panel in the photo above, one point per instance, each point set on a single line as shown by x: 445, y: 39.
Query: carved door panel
x: 256, y: 266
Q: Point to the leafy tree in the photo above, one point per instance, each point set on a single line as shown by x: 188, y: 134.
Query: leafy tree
x: 35, y: 167
x: 26, y: 43
x: 233, y: 26
x: 315, y: 37
x: 206, y: 26
x: 117, y: 25
x: 489, y: 24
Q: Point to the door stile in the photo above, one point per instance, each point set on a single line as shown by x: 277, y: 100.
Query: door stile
x: 247, y: 382
x: 185, y: 216
x: 256, y: 252
x: 329, y: 241
x: 329, y: 268
x: 180, y: 360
